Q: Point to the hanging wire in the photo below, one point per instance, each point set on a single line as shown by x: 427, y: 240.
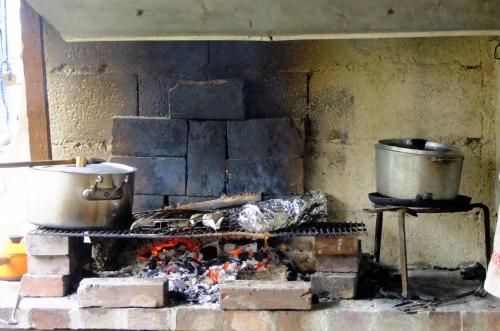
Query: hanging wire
x: 5, y: 68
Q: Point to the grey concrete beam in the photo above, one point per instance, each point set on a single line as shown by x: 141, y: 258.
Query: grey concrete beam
x: 98, y: 20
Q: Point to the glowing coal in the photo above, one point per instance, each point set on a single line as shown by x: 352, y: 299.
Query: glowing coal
x: 195, y: 271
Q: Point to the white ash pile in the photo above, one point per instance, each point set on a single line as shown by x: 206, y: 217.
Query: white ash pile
x: 195, y: 272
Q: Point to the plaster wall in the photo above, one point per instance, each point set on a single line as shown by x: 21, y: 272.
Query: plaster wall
x: 354, y: 92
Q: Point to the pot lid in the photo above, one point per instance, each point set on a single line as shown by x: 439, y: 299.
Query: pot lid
x: 420, y: 146
x: 105, y: 168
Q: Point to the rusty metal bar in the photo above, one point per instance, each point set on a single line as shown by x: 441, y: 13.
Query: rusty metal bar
x: 402, y: 253
x: 227, y: 231
x: 378, y: 236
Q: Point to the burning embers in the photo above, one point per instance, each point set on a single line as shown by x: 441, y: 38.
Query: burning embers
x: 163, y: 247
x: 194, y: 270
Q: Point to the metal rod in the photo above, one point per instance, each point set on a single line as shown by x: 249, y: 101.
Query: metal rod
x: 378, y: 236
x: 36, y: 163
x: 402, y: 253
x: 487, y: 234
x: 198, y: 232
x: 12, y: 319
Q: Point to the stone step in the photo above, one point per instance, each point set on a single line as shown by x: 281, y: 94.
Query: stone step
x: 269, y: 295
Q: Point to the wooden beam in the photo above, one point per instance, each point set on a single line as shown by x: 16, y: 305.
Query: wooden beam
x: 36, y: 91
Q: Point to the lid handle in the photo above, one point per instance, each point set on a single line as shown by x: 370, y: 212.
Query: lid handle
x: 418, y: 143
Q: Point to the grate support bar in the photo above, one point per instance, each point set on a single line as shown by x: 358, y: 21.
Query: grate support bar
x: 314, y: 229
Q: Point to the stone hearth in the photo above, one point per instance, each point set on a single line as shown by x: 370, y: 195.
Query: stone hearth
x: 470, y: 313
x: 62, y: 313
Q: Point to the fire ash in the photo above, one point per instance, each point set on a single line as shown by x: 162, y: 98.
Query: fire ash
x: 195, y: 272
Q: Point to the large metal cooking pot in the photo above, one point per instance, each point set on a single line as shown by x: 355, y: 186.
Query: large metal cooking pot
x: 418, y: 169
x: 93, y: 197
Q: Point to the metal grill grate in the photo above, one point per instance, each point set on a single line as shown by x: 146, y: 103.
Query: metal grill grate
x: 226, y: 231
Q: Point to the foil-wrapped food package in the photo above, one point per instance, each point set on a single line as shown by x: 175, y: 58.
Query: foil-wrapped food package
x: 275, y: 214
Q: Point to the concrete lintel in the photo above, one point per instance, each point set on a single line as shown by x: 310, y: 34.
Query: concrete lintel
x: 264, y: 20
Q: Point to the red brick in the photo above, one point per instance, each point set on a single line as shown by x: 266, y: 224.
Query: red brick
x: 49, y: 318
x: 269, y: 295
x: 472, y: 321
x: 150, y: 319
x: 122, y: 292
x: 45, y: 285
x: 343, y: 245
x: 247, y: 320
x: 200, y: 319
x: 338, y: 285
x: 52, y: 245
x: 300, y: 321
x: 444, y: 320
x: 396, y: 320
x: 53, y: 265
x: 337, y: 263
x: 101, y: 318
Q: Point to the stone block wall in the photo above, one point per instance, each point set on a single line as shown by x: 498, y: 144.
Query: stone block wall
x: 182, y: 160
x: 354, y: 92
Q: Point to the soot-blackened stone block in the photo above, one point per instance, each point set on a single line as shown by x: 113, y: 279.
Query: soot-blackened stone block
x: 265, y: 138
x: 206, y: 161
x: 269, y: 176
x: 153, y: 94
x: 207, y: 100
x: 149, y: 136
x: 148, y: 202
x: 157, y: 175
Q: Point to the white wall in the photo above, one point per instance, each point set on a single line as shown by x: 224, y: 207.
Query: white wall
x: 14, y: 145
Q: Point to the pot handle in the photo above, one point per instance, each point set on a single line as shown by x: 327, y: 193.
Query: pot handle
x: 96, y: 193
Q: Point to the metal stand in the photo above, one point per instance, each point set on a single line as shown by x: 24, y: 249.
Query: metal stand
x: 402, y: 211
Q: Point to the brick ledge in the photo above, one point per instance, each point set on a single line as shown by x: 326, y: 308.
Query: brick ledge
x: 50, y: 313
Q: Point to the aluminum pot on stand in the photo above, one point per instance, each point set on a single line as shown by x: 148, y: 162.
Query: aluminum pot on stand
x: 418, y: 169
x: 98, y: 196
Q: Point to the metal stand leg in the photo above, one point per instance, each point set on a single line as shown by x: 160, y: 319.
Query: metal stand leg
x: 378, y: 236
x: 402, y: 253
x: 487, y: 238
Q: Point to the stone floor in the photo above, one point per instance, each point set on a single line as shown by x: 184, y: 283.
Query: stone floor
x: 470, y: 313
